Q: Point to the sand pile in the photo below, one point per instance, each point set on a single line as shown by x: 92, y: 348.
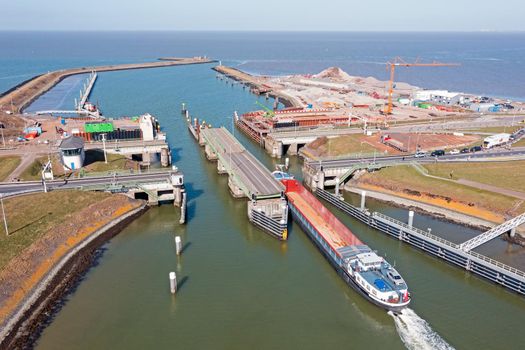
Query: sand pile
x: 335, y: 74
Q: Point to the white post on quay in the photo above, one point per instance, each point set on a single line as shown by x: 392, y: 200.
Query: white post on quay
x: 363, y: 198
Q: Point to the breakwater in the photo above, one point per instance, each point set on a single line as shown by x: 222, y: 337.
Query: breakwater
x: 18, y: 98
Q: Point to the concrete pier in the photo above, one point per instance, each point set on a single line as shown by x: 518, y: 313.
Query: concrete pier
x: 247, y: 178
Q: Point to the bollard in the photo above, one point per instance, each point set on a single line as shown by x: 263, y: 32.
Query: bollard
x: 363, y: 196
x: 410, y: 218
x: 287, y: 163
x: 173, y: 282
x: 183, y: 209
x: 337, y: 187
x: 178, y: 245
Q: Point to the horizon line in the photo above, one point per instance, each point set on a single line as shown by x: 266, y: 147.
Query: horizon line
x: 259, y: 31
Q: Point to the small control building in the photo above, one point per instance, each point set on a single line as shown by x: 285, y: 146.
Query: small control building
x: 72, y: 152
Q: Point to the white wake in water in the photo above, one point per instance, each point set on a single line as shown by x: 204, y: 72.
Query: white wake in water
x: 416, y: 333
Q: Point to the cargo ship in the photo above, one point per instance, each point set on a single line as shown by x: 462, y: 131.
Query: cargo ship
x: 365, y: 271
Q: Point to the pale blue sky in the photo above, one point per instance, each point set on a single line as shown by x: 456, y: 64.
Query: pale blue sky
x: 335, y: 15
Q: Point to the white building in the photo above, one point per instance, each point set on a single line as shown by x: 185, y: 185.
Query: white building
x: 442, y: 97
x: 147, y: 126
x: 72, y: 152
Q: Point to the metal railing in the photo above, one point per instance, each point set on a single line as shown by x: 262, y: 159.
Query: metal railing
x: 453, y: 248
x: 408, y: 229
x: 497, y: 263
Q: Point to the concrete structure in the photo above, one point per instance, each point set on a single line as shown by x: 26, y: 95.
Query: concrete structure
x: 247, y: 178
x: 460, y: 255
x: 72, y: 153
x: 147, y: 125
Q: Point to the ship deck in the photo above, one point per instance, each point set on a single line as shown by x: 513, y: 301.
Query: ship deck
x: 333, y: 231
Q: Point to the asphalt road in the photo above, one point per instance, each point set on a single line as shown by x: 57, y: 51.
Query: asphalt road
x: 462, y: 157
x: 13, y: 187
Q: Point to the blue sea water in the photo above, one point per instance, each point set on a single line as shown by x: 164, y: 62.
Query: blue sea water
x: 491, y: 63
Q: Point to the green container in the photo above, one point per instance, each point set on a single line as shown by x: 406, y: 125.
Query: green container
x: 98, y: 127
x: 424, y: 105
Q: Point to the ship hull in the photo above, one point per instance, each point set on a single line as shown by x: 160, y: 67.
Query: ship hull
x: 339, y: 269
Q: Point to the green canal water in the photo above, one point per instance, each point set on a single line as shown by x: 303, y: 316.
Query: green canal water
x: 240, y: 288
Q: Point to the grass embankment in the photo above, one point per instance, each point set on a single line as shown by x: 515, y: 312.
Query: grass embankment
x: 29, y: 217
x: 95, y: 162
x: 509, y: 175
x: 340, y: 146
x: 43, y: 228
x: 407, y: 182
x: 7, y: 165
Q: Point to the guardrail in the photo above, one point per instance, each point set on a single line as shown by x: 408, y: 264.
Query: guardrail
x: 497, y: 263
x: 481, y: 265
x: 415, y: 229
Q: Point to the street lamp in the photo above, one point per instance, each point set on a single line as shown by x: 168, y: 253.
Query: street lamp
x: 3, y: 213
x: 104, y: 146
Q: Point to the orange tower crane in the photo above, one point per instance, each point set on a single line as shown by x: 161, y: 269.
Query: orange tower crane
x: 399, y: 62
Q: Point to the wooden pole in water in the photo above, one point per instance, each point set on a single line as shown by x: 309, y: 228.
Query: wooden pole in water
x: 173, y: 282
x: 178, y: 245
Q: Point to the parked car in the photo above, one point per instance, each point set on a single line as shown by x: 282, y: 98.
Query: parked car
x: 475, y: 149
x: 437, y: 153
x: 420, y: 154
x: 454, y: 151
x: 464, y: 150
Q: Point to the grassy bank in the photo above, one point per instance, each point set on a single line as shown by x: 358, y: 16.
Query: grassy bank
x: 7, y: 165
x: 95, y: 162
x: 408, y: 182
x: 344, y: 145
x: 29, y: 217
x: 43, y: 229
x: 509, y: 175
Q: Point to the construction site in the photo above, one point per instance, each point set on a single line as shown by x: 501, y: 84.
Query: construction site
x: 333, y: 103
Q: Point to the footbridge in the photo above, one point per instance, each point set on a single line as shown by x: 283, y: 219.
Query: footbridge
x: 247, y: 177
x: 508, y: 226
x: 460, y: 255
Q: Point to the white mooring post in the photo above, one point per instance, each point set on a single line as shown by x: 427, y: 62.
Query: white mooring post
x: 173, y: 282
x: 178, y: 245
x: 363, y: 198
x: 337, y: 187
x: 287, y: 163
x: 410, y: 218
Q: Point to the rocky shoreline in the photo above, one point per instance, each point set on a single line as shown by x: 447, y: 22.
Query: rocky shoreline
x: 25, y: 325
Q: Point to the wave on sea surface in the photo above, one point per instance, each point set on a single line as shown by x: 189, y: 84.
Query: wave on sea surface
x: 416, y: 333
